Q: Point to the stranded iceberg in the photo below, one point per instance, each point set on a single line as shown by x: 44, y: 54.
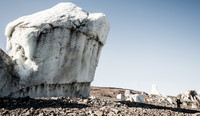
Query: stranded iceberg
x: 52, y: 53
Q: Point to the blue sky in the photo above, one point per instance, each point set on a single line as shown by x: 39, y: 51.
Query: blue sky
x: 150, y: 41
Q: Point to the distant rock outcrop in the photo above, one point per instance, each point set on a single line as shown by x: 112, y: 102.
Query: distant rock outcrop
x: 54, y: 52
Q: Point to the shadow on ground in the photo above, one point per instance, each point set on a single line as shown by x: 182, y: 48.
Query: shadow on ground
x: 14, y: 103
x: 150, y: 106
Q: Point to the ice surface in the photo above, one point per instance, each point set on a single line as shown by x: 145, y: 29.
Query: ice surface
x: 57, y: 46
x: 134, y: 97
x: 154, y: 90
x: 120, y: 96
x: 127, y: 93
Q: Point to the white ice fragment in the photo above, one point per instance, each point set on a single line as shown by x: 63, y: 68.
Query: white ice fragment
x: 170, y: 100
x: 198, y: 98
x: 138, y: 98
x: 120, y: 96
x: 127, y: 93
x: 194, y: 106
x: 154, y: 90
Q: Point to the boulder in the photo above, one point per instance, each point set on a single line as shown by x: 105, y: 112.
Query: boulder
x: 136, y: 98
x: 56, y: 51
x: 170, y: 100
x: 190, y: 99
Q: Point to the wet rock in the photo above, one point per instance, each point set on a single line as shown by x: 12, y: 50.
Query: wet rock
x: 138, y: 98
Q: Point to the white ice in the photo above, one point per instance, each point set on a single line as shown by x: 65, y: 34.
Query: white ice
x: 154, y: 90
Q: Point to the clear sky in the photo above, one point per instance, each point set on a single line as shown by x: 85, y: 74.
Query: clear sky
x: 150, y: 41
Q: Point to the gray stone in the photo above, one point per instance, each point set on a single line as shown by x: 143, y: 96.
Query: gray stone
x: 9, y: 79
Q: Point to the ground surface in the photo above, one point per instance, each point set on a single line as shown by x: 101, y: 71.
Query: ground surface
x: 104, y: 103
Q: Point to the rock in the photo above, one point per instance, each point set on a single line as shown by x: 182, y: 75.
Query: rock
x: 91, y: 111
x: 170, y: 100
x: 98, y: 113
x: 9, y: 79
x: 196, y: 114
x: 55, y: 51
x: 54, y: 98
x: 75, y: 106
x: 5, y: 112
x: 28, y: 113
x: 85, y: 101
x: 191, y: 94
x: 71, y: 114
x: 120, y: 96
x: 194, y: 106
x: 198, y: 98
x: 92, y: 97
x: 134, y: 97
x: 41, y: 114
x: 103, y: 103
x: 184, y: 104
x: 154, y: 90
x: 111, y: 114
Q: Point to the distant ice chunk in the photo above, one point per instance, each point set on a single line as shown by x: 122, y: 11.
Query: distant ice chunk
x: 127, y: 93
x: 120, y: 96
x: 129, y: 96
x: 154, y: 90
x: 138, y: 98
